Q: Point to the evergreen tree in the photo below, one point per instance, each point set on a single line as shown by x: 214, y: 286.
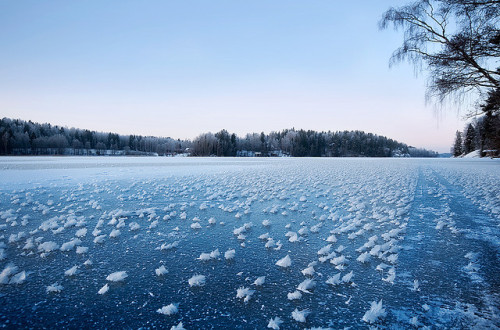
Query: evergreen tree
x: 469, y: 139
x: 457, y: 146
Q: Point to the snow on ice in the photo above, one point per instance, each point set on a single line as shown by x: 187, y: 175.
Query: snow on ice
x: 110, y: 242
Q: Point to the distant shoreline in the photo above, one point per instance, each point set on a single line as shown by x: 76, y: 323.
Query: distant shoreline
x: 19, y: 137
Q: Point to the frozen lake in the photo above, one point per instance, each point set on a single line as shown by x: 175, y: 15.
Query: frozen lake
x: 249, y: 243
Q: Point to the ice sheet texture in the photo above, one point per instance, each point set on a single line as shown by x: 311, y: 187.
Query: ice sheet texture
x: 382, y: 242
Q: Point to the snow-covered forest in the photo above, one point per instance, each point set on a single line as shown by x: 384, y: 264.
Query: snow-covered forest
x: 482, y: 134
x: 301, y: 143
x: 19, y: 137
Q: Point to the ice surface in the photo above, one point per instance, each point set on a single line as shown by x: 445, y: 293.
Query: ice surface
x: 86, y: 242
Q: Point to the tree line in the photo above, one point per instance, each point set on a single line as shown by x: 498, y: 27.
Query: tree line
x: 19, y: 137
x: 302, y: 143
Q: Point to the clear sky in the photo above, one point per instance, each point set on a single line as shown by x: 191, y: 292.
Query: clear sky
x: 180, y: 68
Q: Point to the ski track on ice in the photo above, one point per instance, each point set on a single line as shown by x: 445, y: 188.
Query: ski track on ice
x: 444, y: 227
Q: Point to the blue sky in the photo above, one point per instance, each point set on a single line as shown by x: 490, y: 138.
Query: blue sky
x: 180, y: 68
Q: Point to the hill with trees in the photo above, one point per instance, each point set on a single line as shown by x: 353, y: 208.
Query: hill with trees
x: 301, y: 143
x: 19, y: 137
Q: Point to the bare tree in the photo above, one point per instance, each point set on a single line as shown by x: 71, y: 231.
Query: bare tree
x: 205, y: 145
x: 457, y: 41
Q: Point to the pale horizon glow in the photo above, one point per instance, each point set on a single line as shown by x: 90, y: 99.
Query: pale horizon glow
x: 179, y: 69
